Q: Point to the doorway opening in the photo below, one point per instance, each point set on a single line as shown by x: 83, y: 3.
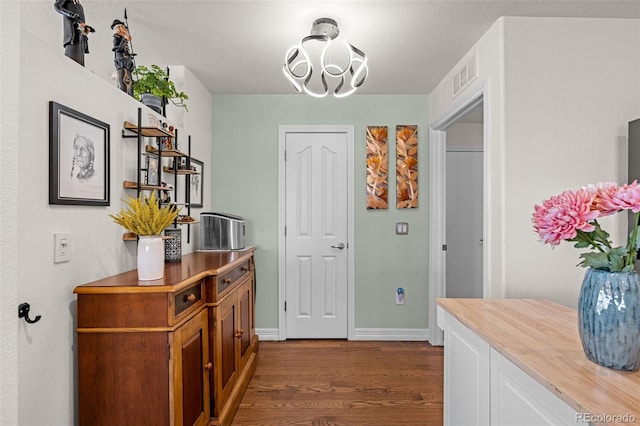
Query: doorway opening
x: 468, y: 263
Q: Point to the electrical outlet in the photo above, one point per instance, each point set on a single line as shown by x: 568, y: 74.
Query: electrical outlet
x: 61, y: 247
x: 399, y: 296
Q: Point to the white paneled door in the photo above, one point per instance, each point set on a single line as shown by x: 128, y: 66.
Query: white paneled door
x: 464, y: 224
x: 316, y: 234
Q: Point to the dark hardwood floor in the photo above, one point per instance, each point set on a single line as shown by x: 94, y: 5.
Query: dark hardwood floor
x: 338, y: 382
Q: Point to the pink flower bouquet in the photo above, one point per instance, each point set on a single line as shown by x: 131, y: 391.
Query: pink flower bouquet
x: 572, y: 216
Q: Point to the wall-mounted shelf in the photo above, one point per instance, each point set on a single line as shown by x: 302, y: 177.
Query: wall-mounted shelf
x: 165, y: 152
x: 147, y: 131
x: 187, y: 222
x: 139, y: 131
x: 129, y: 184
x: 180, y: 171
x: 130, y: 236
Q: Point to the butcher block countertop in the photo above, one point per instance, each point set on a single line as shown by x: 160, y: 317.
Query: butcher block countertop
x: 541, y: 337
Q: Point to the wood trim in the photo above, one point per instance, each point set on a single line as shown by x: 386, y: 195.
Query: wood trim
x: 176, y: 360
x: 125, y: 330
x: 178, y: 276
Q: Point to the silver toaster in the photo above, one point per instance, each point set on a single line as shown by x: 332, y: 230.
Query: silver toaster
x: 221, y: 231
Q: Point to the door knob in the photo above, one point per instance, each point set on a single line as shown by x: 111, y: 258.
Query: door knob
x: 339, y: 246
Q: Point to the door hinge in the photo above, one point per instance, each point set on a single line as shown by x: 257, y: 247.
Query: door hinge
x: 285, y: 155
x: 285, y: 230
x: 444, y: 247
x: 285, y: 306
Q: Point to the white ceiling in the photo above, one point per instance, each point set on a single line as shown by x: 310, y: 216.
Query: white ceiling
x: 238, y: 46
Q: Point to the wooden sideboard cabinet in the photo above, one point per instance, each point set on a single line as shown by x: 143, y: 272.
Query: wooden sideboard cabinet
x: 178, y: 352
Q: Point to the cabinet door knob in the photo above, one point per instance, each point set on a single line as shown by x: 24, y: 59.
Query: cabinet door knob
x: 244, y: 268
x: 239, y: 333
x: 227, y: 281
x: 190, y: 298
x: 208, y: 366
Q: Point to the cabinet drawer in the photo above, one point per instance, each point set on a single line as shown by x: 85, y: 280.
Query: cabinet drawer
x: 187, y: 298
x: 226, y: 280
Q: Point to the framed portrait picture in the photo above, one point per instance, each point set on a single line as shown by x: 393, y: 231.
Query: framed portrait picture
x: 196, y: 183
x: 152, y: 170
x: 78, y: 158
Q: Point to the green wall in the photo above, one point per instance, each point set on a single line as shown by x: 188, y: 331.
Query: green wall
x: 245, y: 182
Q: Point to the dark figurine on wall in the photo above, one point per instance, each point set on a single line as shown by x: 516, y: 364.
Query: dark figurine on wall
x: 123, y: 58
x: 75, y: 39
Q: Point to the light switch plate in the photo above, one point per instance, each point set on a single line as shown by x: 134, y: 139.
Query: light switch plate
x: 402, y: 228
x: 61, y: 247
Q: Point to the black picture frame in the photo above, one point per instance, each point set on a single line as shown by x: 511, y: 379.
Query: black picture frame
x: 196, y: 184
x: 152, y: 176
x: 79, y: 158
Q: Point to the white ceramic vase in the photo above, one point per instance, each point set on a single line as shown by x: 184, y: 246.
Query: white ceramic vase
x: 150, y: 258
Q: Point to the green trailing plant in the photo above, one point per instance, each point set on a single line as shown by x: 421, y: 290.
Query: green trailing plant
x: 145, y: 216
x: 156, y: 81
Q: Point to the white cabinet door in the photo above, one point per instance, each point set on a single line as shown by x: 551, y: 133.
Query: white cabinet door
x: 466, y: 375
x: 517, y: 399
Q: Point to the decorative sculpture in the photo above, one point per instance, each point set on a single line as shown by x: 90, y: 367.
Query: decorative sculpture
x: 123, y: 57
x: 75, y: 40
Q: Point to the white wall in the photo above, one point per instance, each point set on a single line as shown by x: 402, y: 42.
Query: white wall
x: 46, y: 362
x: 572, y: 85
x: 9, y: 137
x: 559, y: 95
x: 198, y: 122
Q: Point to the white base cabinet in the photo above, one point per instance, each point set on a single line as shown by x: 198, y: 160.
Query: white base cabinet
x: 482, y: 387
x: 517, y: 399
x: 466, y: 371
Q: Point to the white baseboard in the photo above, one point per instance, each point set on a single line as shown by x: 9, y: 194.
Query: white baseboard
x: 399, y: 334
x: 382, y: 334
x: 266, y: 334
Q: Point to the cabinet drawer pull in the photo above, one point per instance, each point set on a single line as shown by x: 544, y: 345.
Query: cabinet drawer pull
x: 208, y: 366
x: 245, y: 268
x: 239, y: 333
x: 227, y: 281
x: 190, y: 298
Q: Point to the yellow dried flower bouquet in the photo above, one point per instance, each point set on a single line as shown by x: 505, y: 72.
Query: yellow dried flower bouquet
x: 145, y: 216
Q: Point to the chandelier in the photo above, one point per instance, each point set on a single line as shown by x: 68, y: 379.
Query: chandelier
x: 342, y: 67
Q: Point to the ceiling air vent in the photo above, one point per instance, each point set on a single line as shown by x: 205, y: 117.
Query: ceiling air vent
x: 465, y: 75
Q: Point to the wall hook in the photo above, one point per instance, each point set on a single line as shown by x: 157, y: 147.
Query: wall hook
x: 23, y: 312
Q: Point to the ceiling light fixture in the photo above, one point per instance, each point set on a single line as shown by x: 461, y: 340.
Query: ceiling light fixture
x: 343, y: 69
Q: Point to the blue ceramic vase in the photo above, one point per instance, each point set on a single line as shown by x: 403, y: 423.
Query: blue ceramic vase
x: 609, y: 318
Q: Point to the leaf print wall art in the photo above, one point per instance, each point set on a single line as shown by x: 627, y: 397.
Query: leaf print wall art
x: 407, y: 167
x: 377, y: 167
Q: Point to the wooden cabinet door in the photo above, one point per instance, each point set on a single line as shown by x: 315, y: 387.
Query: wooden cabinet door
x: 123, y: 379
x: 245, y: 322
x: 191, y: 366
x: 225, y: 340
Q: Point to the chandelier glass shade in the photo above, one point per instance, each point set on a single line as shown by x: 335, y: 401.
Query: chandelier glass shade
x: 319, y: 64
